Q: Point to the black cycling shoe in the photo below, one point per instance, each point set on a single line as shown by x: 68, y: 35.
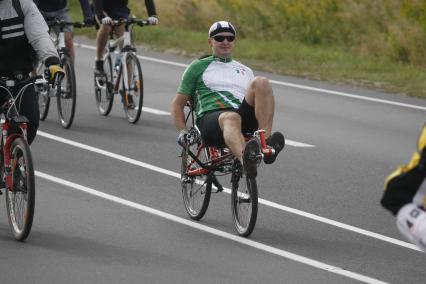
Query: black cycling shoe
x: 99, y: 67
x: 277, y: 142
x: 250, y: 157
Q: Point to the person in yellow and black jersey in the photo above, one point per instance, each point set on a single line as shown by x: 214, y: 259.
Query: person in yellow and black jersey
x: 405, y: 195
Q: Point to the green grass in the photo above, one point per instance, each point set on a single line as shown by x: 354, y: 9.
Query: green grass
x: 293, y: 58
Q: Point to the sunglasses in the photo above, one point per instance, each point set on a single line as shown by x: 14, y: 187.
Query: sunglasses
x: 220, y: 38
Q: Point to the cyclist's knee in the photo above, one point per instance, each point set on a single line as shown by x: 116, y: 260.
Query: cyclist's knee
x: 261, y: 83
x: 229, y: 119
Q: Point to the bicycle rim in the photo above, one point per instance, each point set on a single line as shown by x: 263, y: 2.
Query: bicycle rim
x: 244, y: 204
x: 43, y: 96
x: 20, y: 200
x: 133, y: 98
x: 66, y: 94
x: 104, y: 94
x: 196, y: 191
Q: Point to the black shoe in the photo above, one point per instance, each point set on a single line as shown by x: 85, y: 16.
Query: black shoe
x: 250, y: 157
x: 99, y: 67
x: 277, y: 142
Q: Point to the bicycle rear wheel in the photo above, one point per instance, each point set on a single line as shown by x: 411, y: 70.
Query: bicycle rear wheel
x: 133, y: 98
x: 43, y: 95
x: 21, y: 198
x: 66, y: 94
x: 104, y: 90
x: 196, y: 190
x: 244, y: 203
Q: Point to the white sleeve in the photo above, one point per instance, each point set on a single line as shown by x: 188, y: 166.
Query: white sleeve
x: 36, y: 31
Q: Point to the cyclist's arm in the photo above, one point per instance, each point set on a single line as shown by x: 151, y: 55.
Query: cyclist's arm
x: 36, y: 31
x: 178, y: 105
x: 150, y: 7
x: 85, y: 7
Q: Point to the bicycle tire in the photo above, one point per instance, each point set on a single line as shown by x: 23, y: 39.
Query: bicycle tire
x: 43, y: 96
x: 20, y: 200
x: 244, y: 202
x: 105, y: 96
x: 133, y: 98
x: 66, y: 95
x: 196, y: 197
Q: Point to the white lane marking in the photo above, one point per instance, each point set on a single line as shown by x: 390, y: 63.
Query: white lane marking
x: 326, y: 91
x: 155, y: 111
x: 343, y: 94
x: 161, y: 112
x: 219, y: 233
x: 298, y: 144
x: 261, y: 201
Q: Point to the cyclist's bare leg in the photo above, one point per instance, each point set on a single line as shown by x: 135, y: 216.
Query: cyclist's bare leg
x: 260, y: 96
x: 119, y: 31
x: 101, y: 40
x: 70, y: 45
x: 230, y: 123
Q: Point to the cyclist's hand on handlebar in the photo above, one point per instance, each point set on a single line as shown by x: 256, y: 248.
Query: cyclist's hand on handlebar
x: 107, y: 21
x: 181, y: 139
x: 55, y: 72
x: 153, y: 20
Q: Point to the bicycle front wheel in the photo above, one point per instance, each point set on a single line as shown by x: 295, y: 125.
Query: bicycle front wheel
x: 196, y: 190
x: 66, y: 94
x: 244, y: 203
x: 133, y: 97
x: 104, y: 90
x: 20, y: 198
x: 43, y: 95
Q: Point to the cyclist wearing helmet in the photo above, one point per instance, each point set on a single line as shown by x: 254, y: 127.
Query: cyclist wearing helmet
x: 228, y: 100
x: 405, y: 195
x: 107, y: 11
x: 59, y: 10
x: 23, y: 39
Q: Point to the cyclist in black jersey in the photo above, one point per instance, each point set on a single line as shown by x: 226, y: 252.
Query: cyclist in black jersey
x: 58, y: 9
x: 24, y: 39
x: 106, y: 11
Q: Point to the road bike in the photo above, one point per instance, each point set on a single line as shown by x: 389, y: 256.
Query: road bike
x: 17, y: 170
x: 202, y: 164
x: 123, y: 74
x: 65, y: 92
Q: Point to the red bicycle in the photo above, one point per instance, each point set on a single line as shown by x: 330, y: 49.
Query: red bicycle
x: 202, y: 164
x: 17, y: 170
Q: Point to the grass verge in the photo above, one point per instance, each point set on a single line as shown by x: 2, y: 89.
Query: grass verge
x: 295, y: 59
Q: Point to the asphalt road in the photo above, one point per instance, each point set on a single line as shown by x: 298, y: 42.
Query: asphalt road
x: 109, y: 207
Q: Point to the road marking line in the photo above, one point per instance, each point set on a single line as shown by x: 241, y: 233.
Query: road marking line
x: 155, y: 111
x: 210, y: 230
x: 303, y: 87
x: 261, y: 201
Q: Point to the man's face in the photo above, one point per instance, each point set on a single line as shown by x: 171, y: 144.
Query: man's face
x: 222, y: 44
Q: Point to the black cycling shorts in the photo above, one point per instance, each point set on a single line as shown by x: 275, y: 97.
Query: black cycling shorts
x: 117, y: 13
x: 210, y: 129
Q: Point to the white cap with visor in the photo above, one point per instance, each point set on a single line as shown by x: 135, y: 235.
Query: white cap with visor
x: 221, y: 26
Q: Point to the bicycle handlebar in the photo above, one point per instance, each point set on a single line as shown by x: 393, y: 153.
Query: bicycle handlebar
x: 11, y: 82
x: 131, y: 21
x: 62, y: 23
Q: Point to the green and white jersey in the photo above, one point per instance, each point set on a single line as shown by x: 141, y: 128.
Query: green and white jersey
x: 215, y: 83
